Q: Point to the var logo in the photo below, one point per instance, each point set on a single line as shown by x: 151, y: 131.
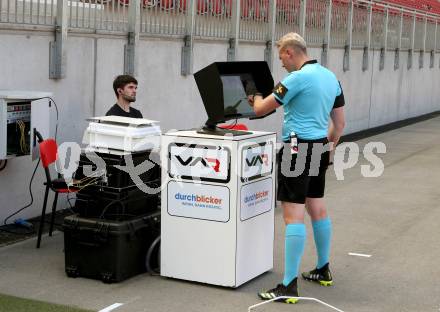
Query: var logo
x: 206, y: 162
x: 258, y: 160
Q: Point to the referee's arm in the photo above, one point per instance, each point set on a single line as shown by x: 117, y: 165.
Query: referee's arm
x: 338, y: 118
x: 263, y: 106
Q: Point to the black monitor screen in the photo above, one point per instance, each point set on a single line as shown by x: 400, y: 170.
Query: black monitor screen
x: 236, y: 88
x: 224, y: 87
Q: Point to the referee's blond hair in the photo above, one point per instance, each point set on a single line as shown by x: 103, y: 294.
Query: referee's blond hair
x: 292, y: 40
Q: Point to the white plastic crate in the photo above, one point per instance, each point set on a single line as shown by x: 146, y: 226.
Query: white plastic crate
x: 123, y: 133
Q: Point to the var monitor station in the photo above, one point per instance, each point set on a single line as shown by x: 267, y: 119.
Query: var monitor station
x: 217, y: 206
x: 225, y: 87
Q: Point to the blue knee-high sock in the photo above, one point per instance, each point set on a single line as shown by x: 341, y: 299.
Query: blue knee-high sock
x: 294, y: 249
x: 322, y: 232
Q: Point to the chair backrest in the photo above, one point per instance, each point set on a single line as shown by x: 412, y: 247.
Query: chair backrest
x: 48, y: 152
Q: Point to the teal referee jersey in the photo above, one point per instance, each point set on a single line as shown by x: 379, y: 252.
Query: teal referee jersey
x: 308, y: 96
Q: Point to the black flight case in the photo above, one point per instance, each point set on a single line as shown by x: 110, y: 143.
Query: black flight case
x: 109, y: 250
x: 116, y: 192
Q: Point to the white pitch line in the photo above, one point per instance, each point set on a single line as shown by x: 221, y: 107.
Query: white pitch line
x: 358, y: 255
x: 299, y: 298
x: 111, y: 308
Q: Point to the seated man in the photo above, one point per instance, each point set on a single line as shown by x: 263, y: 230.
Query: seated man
x: 125, y: 87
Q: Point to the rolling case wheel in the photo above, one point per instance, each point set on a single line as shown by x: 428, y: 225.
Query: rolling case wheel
x: 107, y: 278
x: 72, y: 272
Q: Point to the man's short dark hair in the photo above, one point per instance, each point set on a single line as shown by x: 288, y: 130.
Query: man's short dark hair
x: 121, y: 81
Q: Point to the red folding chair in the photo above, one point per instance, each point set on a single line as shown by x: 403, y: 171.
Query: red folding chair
x: 48, y: 155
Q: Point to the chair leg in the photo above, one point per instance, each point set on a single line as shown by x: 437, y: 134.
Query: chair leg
x: 54, y: 208
x: 43, y: 213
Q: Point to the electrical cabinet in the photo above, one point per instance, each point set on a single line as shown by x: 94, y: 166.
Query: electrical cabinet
x: 20, y: 113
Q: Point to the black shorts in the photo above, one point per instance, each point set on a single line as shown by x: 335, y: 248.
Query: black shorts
x: 307, y: 171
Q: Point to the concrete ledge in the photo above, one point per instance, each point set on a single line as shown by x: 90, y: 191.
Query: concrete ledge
x: 388, y: 127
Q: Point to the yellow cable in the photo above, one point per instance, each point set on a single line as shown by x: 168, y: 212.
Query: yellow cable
x: 22, y: 128
x: 92, y: 176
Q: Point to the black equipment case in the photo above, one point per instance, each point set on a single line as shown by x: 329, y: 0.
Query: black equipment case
x: 117, y: 178
x: 109, y: 250
x: 118, y: 194
x: 95, y: 202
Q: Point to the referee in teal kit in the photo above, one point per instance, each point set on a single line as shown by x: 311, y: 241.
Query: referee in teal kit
x: 310, y: 96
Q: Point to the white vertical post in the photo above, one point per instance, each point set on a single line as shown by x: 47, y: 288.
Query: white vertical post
x: 328, y: 31
x: 435, y: 36
x: 186, y: 66
x: 383, y: 50
x: 433, y: 50
x: 302, y: 18
x: 411, y: 50
x: 385, y: 27
x: 399, y: 43
x: 350, y: 24
x: 270, y: 40
x: 413, y: 32
x: 130, y: 53
x: 365, y: 61
x: 235, y: 31
x: 57, y: 50
x: 425, y: 32
x: 349, y: 40
x: 422, y: 52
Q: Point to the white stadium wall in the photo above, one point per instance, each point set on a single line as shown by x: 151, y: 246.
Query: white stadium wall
x: 373, y: 97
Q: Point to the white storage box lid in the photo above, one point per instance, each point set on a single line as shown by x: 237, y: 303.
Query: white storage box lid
x: 123, y: 133
x: 126, y: 121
